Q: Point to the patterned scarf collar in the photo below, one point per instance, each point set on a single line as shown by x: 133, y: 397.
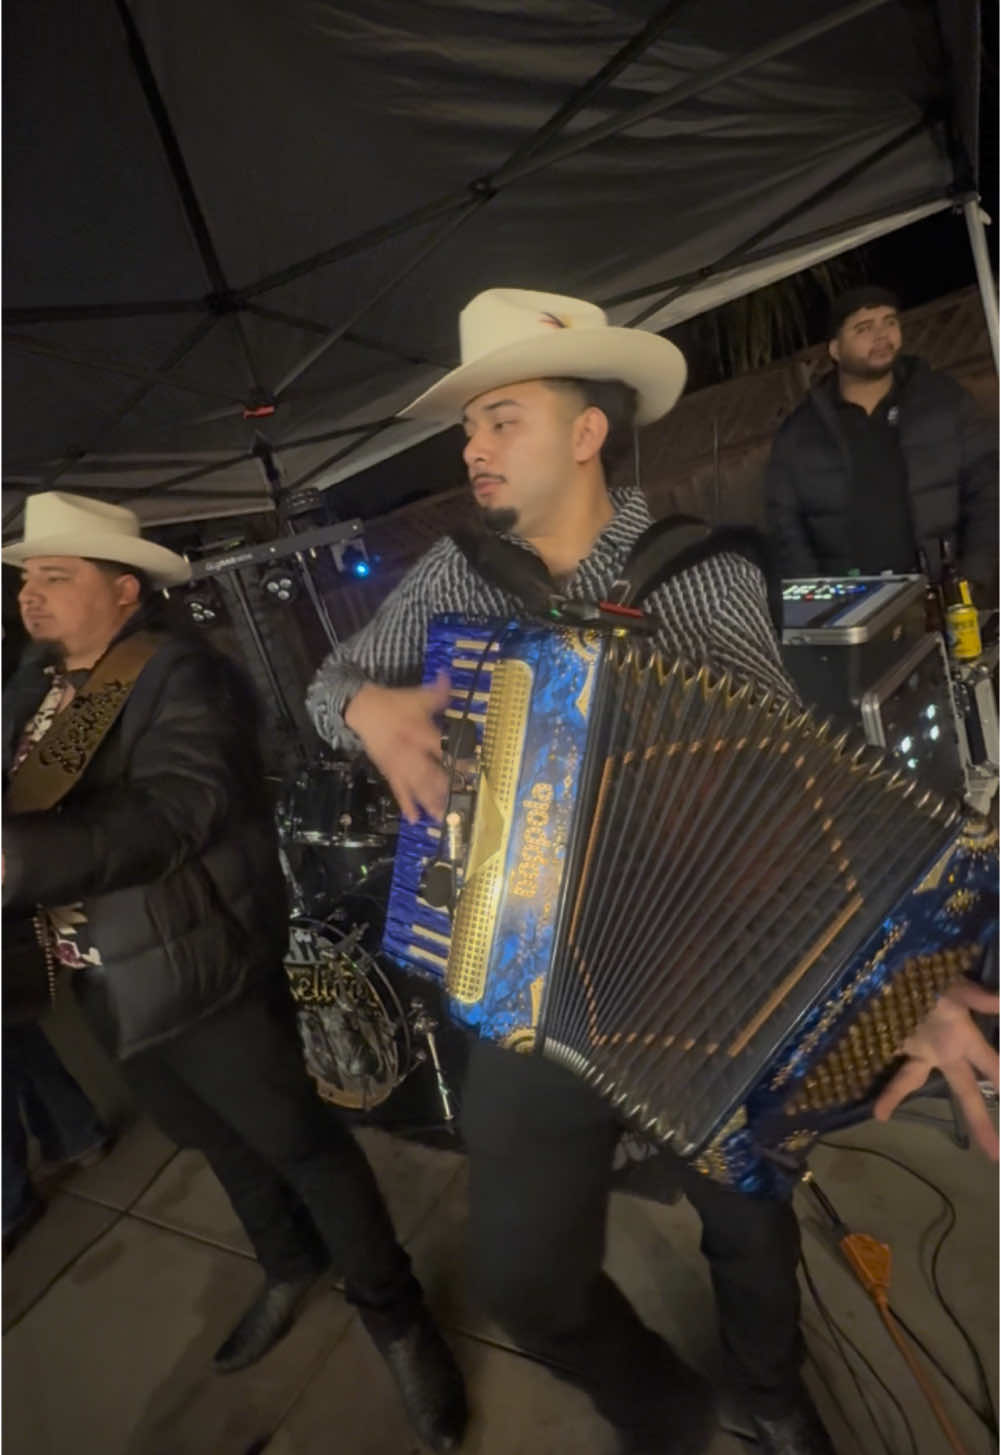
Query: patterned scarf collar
x: 630, y: 519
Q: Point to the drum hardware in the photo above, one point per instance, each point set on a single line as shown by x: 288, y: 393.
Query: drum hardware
x: 422, y: 1023
x: 297, y: 902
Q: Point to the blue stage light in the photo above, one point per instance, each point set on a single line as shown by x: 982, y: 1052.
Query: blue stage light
x: 354, y: 559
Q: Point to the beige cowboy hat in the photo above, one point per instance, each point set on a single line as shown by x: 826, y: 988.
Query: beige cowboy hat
x: 508, y: 335
x: 56, y: 524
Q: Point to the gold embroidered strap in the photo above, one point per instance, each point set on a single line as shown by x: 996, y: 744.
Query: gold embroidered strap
x: 59, y: 759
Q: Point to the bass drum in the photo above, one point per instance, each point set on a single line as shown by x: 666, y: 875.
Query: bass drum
x: 354, y: 1031
x: 376, y: 1039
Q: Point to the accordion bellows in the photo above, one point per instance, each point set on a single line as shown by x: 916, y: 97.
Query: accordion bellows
x: 666, y: 876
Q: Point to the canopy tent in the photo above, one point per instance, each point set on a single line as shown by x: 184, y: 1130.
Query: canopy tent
x: 238, y: 235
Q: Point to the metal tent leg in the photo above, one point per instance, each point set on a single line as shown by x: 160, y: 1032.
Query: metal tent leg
x: 975, y: 219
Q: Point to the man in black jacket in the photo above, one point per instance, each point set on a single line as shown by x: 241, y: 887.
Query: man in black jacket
x: 883, y: 457
x: 153, y: 873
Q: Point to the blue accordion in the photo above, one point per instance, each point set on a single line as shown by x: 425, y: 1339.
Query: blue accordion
x: 721, y: 913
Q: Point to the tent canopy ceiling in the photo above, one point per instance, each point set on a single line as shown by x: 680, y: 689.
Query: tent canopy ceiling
x: 230, y: 221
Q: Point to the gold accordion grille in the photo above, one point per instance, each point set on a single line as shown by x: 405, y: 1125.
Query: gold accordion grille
x: 872, y: 1042
x: 476, y: 912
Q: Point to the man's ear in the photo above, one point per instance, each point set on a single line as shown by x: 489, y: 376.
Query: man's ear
x: 128, y: 590
x: 590, y: 431
x: 834, y: 349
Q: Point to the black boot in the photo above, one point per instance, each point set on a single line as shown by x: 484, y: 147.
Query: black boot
x: 426, y: 1374
x: 267, y: 1320
x: 686, y: 1428
x: 799, y: 1431
x: 52, y: 1169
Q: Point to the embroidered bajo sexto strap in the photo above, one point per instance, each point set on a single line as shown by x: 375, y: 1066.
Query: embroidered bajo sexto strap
x: 60, y: 758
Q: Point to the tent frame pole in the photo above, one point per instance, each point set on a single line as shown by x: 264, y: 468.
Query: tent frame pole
x: 974, y: 215
x: 775, y: 224
x: 777, y: 250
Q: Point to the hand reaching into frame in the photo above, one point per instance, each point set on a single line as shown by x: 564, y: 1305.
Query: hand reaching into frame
x: 948, y: 1040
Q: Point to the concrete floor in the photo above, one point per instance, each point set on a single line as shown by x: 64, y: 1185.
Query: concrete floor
x: 114, y: 1303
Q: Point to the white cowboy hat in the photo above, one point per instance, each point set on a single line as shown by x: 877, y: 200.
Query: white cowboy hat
x: 508, y: 335
x: 56, y: 524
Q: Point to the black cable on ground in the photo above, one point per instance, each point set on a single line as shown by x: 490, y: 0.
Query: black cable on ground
x: 825, y: 1380
x: 937, y: 1364
x: 986, y: 1413
x: 837, y: 1334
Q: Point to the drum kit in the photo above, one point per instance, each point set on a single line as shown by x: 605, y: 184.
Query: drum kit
x: 371, y: 1033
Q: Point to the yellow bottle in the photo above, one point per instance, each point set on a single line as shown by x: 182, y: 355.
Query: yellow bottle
x: 963, y: 627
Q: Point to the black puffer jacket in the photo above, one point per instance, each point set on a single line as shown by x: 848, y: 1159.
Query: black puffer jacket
x: 168, y: 840
x: 952, y: 473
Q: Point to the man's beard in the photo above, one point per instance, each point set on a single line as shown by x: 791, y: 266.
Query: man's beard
x: 862, y: 369
x: 49, y: 649
x: 41, y: 638
x: 499, y: 522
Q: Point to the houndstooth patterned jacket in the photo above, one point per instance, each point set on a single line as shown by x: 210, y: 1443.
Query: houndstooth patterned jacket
x: 715, y: 614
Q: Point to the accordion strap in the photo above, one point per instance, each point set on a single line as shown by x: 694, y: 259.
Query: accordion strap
x: 511, y: 568
x: 678, y: 542
x: 665, y: 549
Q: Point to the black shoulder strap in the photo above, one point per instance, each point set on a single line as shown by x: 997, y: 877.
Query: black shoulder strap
x: 665, y: 549
x: 678, y: 542
x: 651, y: 559
x: 511, y: 568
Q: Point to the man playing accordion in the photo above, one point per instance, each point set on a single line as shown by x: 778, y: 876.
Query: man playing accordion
x: 547, y: 391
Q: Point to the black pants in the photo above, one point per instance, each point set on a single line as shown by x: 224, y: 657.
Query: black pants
x: 540, y: 1145
x: 235, y: 1087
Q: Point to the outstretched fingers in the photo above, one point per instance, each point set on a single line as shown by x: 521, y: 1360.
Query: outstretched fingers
x: 909, y: 1079
x: 975, y: 997
x: 971, y: 1103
